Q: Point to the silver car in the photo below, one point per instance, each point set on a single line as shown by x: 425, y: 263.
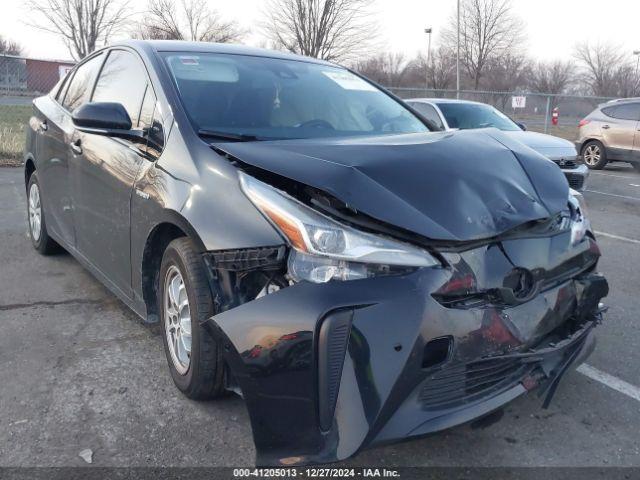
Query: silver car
x: 449, y: 114
x: 610, y: 133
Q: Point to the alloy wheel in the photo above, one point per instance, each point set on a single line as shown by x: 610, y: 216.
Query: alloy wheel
x: 35, y: 212
x: 592, y: 155
x: 177, y: 319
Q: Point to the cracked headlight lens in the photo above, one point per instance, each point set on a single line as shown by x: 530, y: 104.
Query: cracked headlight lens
x: 325, y: 249
x: 579, y: 221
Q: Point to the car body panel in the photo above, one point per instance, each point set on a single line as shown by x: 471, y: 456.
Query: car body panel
x: 417, y: 181
x: 269, y: 344
x: 561, y: 151
x: 619, y: 135
x: 53, y: 152
x: 103, y: 177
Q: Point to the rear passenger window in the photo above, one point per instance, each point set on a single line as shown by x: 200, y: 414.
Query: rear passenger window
x: 123, y: 79
x: 79, y: 89
x: 627, y: 111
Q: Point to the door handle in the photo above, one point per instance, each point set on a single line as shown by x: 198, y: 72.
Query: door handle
x: 43, y: 126
x: 75, y: 146
x: 606, y: 127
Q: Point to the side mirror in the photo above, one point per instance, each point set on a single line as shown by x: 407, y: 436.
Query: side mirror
x: 105, y: 118
x: 101, y: 115
x: 522, y: 126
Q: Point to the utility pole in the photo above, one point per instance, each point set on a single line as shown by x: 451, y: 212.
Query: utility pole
x: 428, y: 65
x: 458, y: 56
x: 637, y: 54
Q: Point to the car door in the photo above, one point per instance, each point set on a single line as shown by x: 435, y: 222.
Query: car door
x: 105, y: 169
x: 53, y: 149
x: 619, y: 128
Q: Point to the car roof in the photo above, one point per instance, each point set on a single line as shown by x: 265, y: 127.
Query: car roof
x: 442, y: 100
x: 210, y: 47
x: 620, y: 101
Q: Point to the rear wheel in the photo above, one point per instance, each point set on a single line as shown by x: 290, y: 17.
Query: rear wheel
x: 594, y: 155
x: 40, y: 238
x: 194, y: 356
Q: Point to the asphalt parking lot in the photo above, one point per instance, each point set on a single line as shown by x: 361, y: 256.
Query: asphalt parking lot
x: 80, y: 371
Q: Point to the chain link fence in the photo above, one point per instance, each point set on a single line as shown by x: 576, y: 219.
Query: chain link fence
x: 23, y: 79
x: 533, y: 109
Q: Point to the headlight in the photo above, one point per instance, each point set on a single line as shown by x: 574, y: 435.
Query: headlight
x: 325, y: 249
x: 579, y: 222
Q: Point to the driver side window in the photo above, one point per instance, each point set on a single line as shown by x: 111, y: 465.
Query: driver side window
x: 123, y: 79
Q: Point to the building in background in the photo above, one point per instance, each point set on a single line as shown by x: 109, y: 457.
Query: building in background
x: 30, y: 76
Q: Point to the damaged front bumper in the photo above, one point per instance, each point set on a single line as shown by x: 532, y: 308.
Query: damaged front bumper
x: 328, y: 369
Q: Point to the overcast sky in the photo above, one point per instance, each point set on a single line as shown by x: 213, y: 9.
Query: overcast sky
x: 553, y: 26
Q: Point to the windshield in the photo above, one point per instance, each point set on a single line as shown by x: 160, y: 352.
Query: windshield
x: 474, y: 115
x: 249, y: 97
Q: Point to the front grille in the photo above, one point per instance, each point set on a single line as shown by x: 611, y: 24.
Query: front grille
x: 565, y: 163
x: 464, y: 383
x: 575, y: 181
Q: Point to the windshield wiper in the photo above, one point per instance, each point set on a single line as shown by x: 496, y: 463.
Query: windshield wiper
x: 236, y: 137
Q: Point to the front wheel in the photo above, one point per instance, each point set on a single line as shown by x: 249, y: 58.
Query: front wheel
x: 194, y: 356
x: 594, y: 155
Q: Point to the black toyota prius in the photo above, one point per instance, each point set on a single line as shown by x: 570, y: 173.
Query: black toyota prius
x: 311, y: 243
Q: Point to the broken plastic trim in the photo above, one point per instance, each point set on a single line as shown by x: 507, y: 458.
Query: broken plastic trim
x: 248, y: 259
x: 241, y: 275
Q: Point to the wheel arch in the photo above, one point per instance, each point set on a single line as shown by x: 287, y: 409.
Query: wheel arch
x: 590, y: 139
x: 171, y: 227
x: 29, y: 168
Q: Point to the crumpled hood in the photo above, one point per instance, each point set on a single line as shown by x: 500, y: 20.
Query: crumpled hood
x: 547, y: 145
x: 452, y: 186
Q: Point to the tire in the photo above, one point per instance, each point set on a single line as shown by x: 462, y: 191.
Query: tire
x: 202, y: 376
x: 594, y: 155
x: 40, y: 238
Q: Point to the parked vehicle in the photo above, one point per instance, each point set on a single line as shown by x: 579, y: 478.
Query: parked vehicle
x: 610, y: 133
x: 307, y: 242
x: 451, y: 114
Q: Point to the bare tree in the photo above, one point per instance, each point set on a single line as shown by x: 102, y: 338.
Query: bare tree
x: 552, y: 77
x: 607, y: 70
x: 193, y: 20
x: 488, y: 29
x: 326, y: 29
x: 438, y: 75
x: 9, y: 47
x: 387, y: 69
x: 82, y: 24
x: 507, y: 73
